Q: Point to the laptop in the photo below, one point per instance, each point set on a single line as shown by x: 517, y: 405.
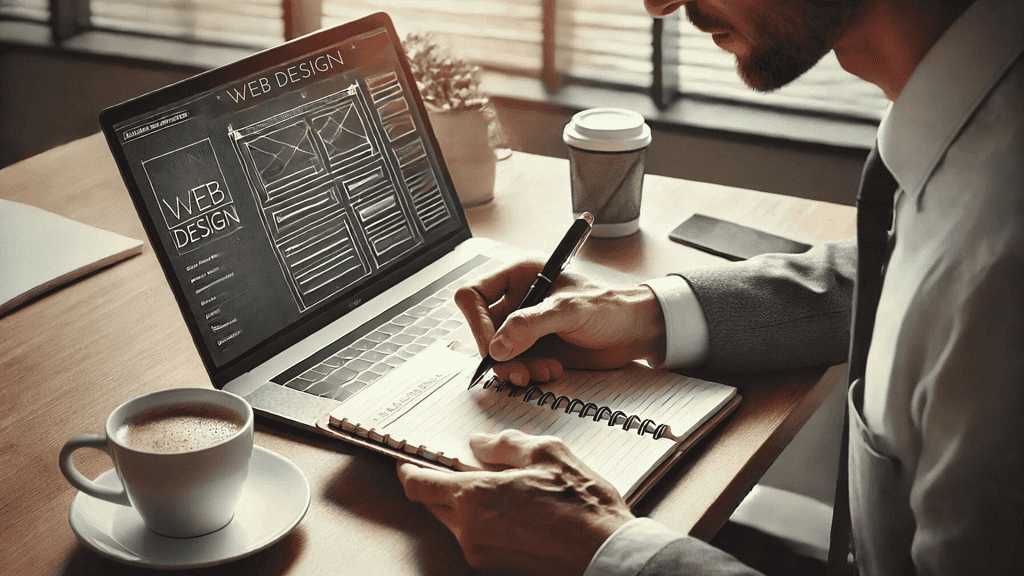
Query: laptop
x: 303, y: 215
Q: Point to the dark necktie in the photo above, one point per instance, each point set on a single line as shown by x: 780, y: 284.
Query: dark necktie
x: 874, y: 219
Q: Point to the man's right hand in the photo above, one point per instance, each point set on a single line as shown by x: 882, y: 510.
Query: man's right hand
x: 581, y: 324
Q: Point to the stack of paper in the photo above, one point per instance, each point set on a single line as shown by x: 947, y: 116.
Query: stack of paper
x: 40, y: 251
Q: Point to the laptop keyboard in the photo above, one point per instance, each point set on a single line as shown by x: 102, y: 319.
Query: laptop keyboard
x: 349, y: 367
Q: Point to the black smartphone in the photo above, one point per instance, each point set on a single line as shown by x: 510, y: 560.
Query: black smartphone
x: 730, y: 240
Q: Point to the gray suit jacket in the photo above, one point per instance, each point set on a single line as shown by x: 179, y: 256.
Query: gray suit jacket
x: 779, y: 311
x: 770, y: 312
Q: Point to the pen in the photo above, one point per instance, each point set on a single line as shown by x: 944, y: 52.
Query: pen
x: 566, y: 249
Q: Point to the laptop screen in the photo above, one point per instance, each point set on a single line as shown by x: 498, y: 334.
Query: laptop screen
x: 287, y: 187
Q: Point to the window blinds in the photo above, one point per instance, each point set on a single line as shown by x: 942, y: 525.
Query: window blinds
x: 251, y: 23
x: 596, y: 42
x: 35, y: 10
x: 706, y: 70
x: 500, y: 34
x: 607, y: 41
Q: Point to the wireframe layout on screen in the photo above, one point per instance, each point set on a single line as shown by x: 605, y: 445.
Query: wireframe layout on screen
x: 308, y: 177
x: 296, y: 191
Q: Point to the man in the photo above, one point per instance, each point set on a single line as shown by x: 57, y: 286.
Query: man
x: 936, y: 424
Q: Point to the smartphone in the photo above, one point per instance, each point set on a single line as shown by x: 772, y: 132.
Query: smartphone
x: 730, y: 240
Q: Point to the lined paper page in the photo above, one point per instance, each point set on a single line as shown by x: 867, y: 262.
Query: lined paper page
x: 423, y: 407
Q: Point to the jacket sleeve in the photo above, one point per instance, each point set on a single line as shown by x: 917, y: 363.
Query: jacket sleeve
x: 689, y: 555
x: 779, y: 311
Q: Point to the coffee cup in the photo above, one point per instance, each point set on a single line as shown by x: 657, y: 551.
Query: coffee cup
x: 607, y: 148
x: 182, y: 456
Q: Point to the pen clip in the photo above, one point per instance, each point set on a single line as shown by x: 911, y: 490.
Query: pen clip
x: 567, y: 248
x: 577, y: 247
x: 585, y: 219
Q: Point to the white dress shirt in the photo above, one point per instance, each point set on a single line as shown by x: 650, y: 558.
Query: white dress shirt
x: 937, y: 467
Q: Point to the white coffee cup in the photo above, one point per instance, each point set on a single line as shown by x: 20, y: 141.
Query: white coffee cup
x: 607, y: 149
x: 182, y: 456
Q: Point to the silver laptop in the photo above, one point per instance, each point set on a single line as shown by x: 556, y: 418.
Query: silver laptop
x: 303, y: 216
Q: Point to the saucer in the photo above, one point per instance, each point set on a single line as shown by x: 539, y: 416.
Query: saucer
x: 275, y: 498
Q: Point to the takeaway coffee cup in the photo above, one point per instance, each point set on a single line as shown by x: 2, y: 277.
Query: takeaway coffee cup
x: 606, y: 167
x: 182, y: 456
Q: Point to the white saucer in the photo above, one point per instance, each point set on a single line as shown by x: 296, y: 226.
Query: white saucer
x: 274, y: 500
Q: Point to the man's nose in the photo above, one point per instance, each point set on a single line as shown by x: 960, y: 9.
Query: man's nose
x: 662, y: 8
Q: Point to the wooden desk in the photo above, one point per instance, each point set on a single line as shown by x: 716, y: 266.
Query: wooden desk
x: 69, y: 358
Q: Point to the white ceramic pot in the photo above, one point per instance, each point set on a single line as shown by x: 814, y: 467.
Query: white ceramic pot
x: 462, y: 136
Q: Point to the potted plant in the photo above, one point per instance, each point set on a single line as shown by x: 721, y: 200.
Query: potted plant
x: 460, y: 113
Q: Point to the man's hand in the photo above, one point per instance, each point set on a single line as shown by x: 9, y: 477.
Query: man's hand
x: 547, y: 514
x: 581, y: 324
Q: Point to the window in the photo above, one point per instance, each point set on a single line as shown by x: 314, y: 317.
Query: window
x: 499, y: 34
x: 31, y: 10
x: 255, y: 23
x: 605, y: 43
x: 706, y: 70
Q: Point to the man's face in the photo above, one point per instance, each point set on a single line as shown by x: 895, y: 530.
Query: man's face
x: 774, y: 41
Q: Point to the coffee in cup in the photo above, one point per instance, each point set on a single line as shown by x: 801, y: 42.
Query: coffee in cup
x: 182, y: 457
x: 607, y: 149
x: 179, y: 428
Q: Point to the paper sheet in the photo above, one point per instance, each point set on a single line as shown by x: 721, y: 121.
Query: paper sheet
x: 40, y: 251
x: 424, y: 407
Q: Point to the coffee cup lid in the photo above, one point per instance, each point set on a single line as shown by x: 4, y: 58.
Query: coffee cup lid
x: 607, y: 130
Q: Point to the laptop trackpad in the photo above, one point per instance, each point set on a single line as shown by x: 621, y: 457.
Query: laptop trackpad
x: 284, y: 403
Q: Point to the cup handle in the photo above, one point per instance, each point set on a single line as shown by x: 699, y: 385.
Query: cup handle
x: 67, y: 467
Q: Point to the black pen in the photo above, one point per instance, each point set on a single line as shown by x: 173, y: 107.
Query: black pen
x: 566, y: 249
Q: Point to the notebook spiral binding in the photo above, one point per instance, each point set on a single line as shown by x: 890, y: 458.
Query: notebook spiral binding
x: 646, y: 425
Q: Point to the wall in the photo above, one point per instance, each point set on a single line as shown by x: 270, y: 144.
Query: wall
x: 47, y: 99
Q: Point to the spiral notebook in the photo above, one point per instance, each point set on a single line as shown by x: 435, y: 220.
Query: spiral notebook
x: 628, y: 424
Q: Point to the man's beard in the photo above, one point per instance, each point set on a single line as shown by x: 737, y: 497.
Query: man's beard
x: 787, y: 42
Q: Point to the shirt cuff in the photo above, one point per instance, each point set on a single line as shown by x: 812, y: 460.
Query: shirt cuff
x: 686, y: 329
x: 630, y: 547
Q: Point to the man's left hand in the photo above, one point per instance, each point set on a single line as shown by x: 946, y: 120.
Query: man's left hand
x: 547, y: 513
